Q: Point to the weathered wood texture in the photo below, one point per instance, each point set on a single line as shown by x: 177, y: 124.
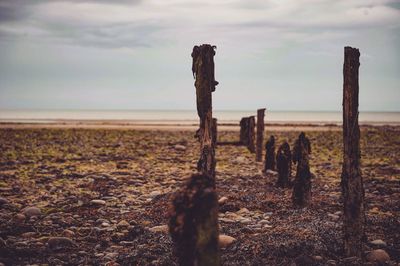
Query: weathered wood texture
x: 214, y: 132
x: 203, y: 72
x: 284, y: 165
x: 247, y: 132
x: 269, y: 163
x: 260, y: 134
x: 301, y: 196
x: 352, y: 182
x: 194, y: 223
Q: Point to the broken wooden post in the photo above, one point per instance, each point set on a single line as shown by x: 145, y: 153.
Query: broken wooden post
x: 194, y: 222
x: 302, y: 183
x: 269, y: 163
x: 284, y: 165
x: 203, y: 72
x: 247, y: 132
x: 352, y: 182
x: 260, y: 134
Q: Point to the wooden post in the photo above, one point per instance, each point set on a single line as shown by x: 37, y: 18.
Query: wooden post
x: 301, y: 196
x: 214, y: 132
x: 269, y: 163
x: 203, y: 72
x: 247, y: 132
x: 352, y: 182
x: 194, y: 222
x: 284, y: 165
x: 252, y: 132
x: 260, y: 134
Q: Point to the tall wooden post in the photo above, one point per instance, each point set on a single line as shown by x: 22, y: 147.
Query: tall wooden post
x: 247, y: 132
x: 203, y: 72
x: 252, y: 133
x: 352, y: 182
x: 260, y: 134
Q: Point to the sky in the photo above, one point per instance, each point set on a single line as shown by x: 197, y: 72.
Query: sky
x: 120, y: 54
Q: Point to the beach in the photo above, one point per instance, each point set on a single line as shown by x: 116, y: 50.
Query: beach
x: 105, y: 190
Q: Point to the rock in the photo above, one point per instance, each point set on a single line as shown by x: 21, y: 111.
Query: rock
x: 57, y: 243
x: 123, y: 224
x: 3, y: 201
x: 155, y: 193
x: 98, y: 202
x: 159, y: 229
x: 331, y: 262
x: 20, y: 217
x: 28, y: 234
x: 225, y: 240
x: 68, y: 233
x: 105, y: 224
x: 378, y: 256
x: 378, y: 242
x: 243, y: 210
x: 31, y: 211
x: 179, y: 147
x: 240, y: 159
x: 333, y: 216
x: 318, y: 258
x: 222, y: 200
x: 271, y: 172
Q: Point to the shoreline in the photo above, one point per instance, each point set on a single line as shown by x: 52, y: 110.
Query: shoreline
x: 169, y: 126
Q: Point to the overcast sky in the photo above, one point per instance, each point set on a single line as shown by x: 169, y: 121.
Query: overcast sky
x: 279, y: 54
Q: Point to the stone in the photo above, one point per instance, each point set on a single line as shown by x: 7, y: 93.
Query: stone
x: 378, y: 256
x: 123, y: 224
x: 20, y: 217
x: 333, y: 216
x: 378, y: 242
x: 318, y: 258
x: 68, y: 233
x: 159, y: 229
x: 98, y: 202
x: 271, y: 172
x: 243, y: 210
x: 225, y: 240
x: 57, y: 243
x: 3, y: 201
x: 222, y: 200
x: 28, y: 234
x: 31, y: 211
x: 179, y: 147
x: 155, y: 193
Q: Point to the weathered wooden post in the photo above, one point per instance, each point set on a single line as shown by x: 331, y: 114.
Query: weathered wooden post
x: 247, y: 132
x: 301, y: 196
x: 203, y: 72
x: 260, y: 134
x: 284, y: 165
x: 194, y: 223
x: 214, y: 132
x: 269, y: 163
x: 352, y: 182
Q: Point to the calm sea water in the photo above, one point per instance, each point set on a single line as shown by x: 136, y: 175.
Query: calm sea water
x: 187, y: 117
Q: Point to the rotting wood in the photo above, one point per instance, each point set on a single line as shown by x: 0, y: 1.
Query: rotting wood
x: 260, y: 134
x: 352, y: 182
x: 269, y: 163
x: 284, y: 165
x: 203, y: 72
x: 194, y: 222
x: 301, y: 196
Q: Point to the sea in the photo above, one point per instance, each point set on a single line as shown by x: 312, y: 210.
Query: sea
x: 185, y: 117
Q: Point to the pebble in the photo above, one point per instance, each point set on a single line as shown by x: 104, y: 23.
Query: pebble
x: 222, y: 200
x: 318, y: 258
x: 123, y: 224
x: 378, y: 256
x: 179, y: 147
x: 378, y: 242
x: 31, y: 211
x: 155, y: 193
x: 3, y: 201
x: 271, y: 172
x: 20, y: 217
x: 159, y: 229
x: 225, y: 240
x: 57, y: 243
x: 68, y: 233
x: 98, y: 202
x: 333, y: 216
